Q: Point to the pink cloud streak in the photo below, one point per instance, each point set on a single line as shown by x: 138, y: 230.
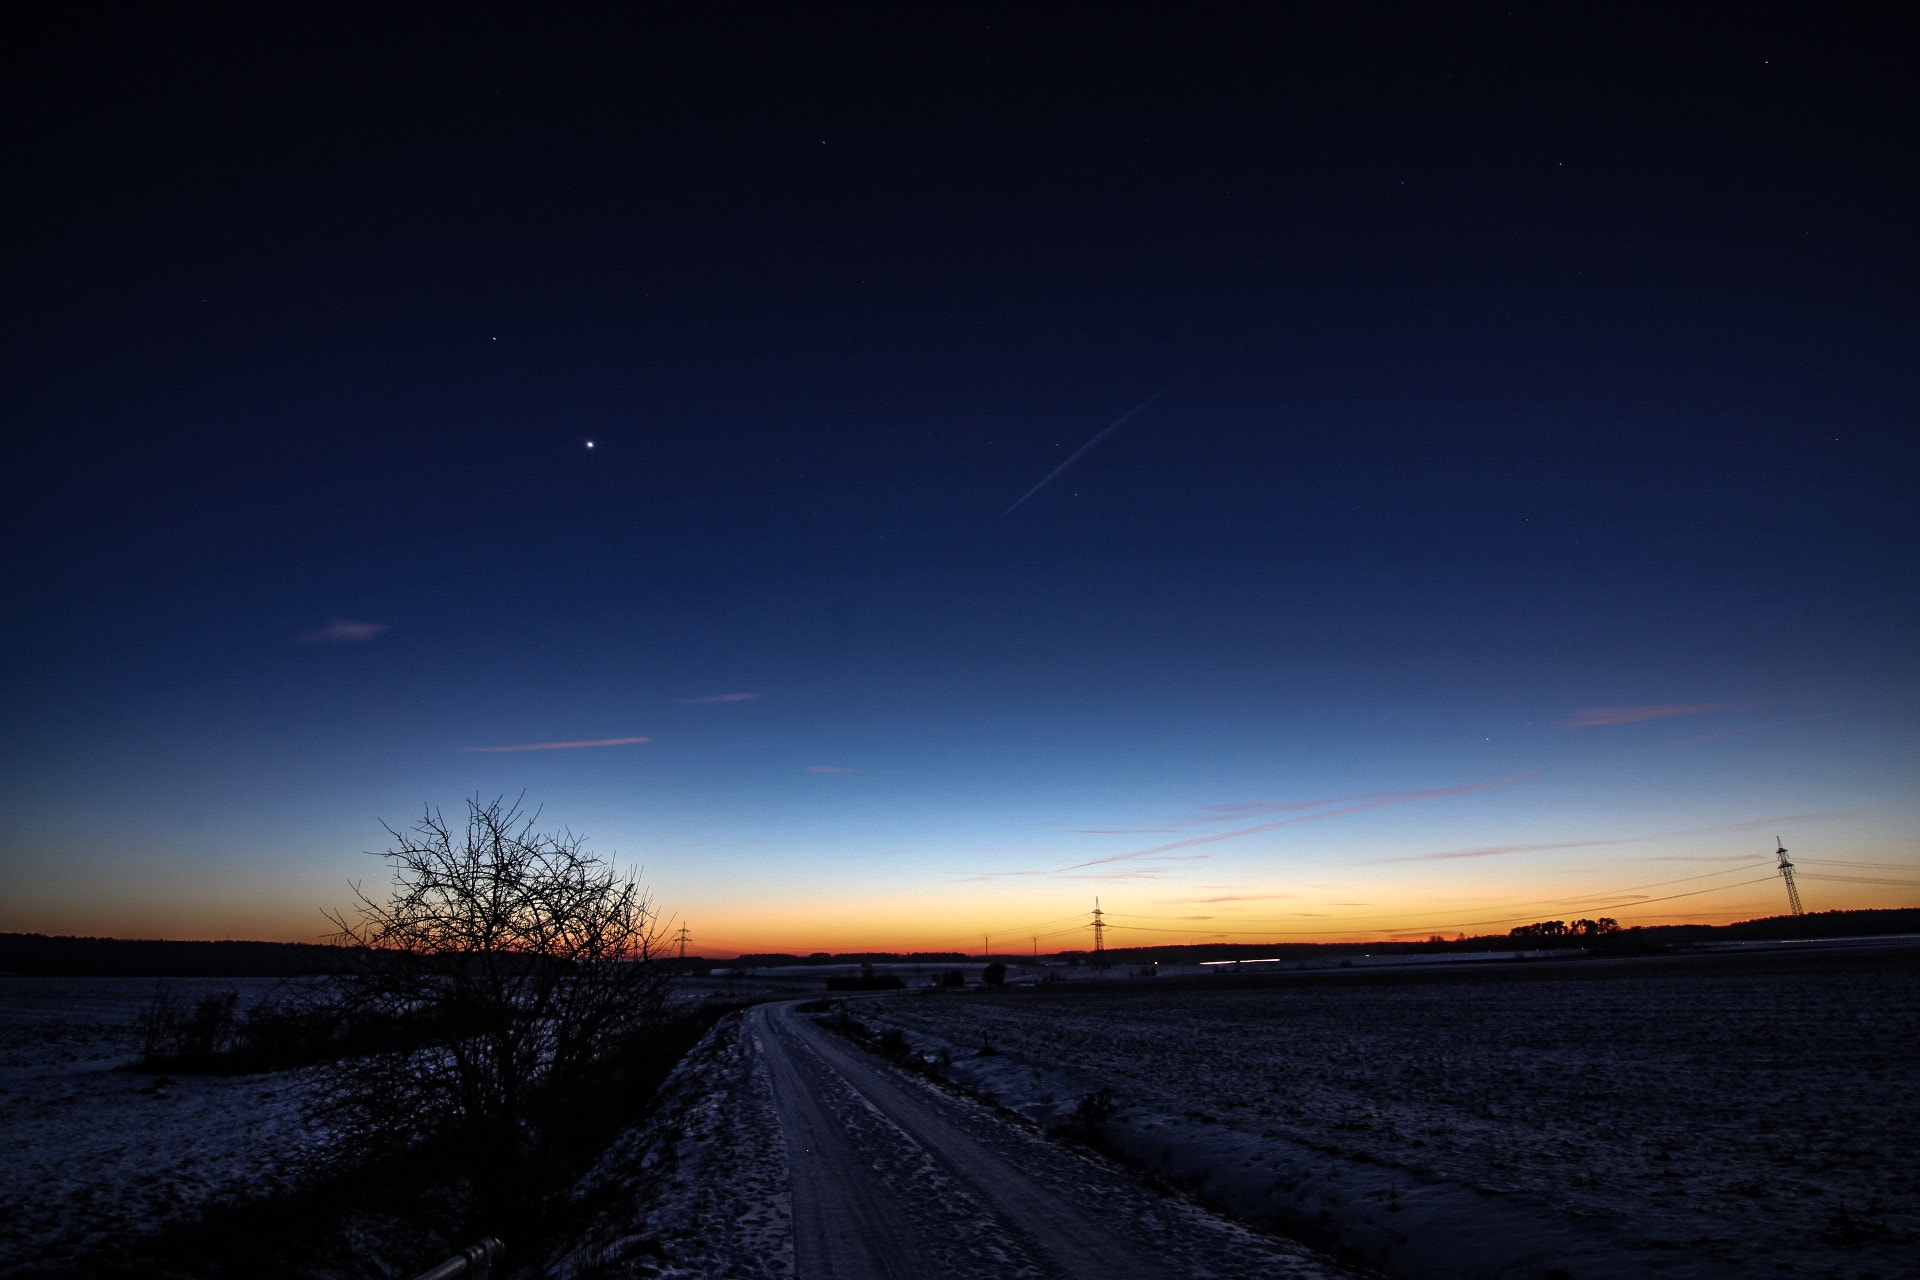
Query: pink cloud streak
x: 561, y: 746
x: 344, y: 631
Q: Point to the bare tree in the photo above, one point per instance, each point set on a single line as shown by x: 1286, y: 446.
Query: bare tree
x: 502, y: 963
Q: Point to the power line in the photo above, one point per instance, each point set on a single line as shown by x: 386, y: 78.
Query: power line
x: 1578, y: 902
x: 1268, y: 933
x: 1877, y: 866
x: 1903, y: 884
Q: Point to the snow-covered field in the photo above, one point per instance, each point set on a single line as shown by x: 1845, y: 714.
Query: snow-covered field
x: 1694, y: 1118
x: 1681, y: 1117
x: 700, y: 1190
x: 91, y: 1151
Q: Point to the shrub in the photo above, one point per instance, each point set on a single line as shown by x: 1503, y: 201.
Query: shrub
x: 290, y: 1028
x: 516, y: 963
x: 867, y: 980
x: 177, y: 1037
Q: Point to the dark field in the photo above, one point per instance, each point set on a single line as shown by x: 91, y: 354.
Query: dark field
x: 1753, y: 1109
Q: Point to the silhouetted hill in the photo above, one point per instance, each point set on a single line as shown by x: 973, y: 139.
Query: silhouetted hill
x: 39, y: 955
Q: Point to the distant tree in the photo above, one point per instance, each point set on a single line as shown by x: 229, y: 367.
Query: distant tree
x: 172, y: 1035
x: 994, y: 975
x: 512, y: 960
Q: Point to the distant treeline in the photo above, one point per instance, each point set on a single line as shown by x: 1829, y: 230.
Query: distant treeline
x: 770, y: 959
x: 1819, y: 924
x: 1816, y: 924
x: 39, y: 955
x: 42, y: 956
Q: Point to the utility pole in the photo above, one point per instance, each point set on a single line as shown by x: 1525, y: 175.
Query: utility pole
x: 682, y: 935
x: 1099, y: 936
x: 1786, y: 873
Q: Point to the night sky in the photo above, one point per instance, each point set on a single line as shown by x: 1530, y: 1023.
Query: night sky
x: 1525, y: 525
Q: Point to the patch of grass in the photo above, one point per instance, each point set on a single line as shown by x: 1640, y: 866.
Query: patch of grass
x: 395, y: 1214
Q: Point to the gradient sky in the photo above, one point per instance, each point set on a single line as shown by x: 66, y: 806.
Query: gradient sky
x: 1525, y: 527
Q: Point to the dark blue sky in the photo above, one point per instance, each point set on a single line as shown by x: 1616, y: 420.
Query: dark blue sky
x: 1518, y: 367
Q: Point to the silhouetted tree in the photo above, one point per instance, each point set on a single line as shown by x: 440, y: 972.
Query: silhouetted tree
x: 511, y: 961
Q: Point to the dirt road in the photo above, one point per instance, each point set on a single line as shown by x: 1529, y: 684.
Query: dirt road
x: 894, y: 1178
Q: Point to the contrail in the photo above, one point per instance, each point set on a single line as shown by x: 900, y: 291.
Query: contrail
x: 1075, y: 456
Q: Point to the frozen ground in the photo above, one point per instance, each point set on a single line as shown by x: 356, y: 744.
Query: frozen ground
x: 1695, y: 1117
x: 781, y: 1149
x: 701, y: 1188
x: 90, y: 1151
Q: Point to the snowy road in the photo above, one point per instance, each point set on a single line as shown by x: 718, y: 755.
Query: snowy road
x: 895, y: 1178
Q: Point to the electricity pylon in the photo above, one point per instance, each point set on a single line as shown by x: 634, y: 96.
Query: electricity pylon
x: 1786, y: 873
x: 682, y: 935
x: 1099, y: 937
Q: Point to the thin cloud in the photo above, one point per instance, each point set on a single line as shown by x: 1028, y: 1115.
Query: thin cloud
x: 1228, y: 897
x: 827, y: 768
x: 1127, y: 873
x: 561, y: 746
x: 1715, y: 737
x: 712, y: 698
x: 344, y: 631
x: 1703, y: 857
x: 1396, y: 798
x: 1236, y: 811
x: 1763, y: 824
x: 1594, y: 717
x: 1490, y: 851
x: 1016, y: 875
x: 1240, y: 811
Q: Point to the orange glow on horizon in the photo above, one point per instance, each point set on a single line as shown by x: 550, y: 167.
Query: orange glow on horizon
x: 1160, y: 914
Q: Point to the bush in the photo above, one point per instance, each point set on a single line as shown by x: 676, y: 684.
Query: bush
x: 994, y: 975
x: 1088, y: 1123
x: 867, y: 980
x: 512, y: 966
x: 175, y: 1037
x: 1094, y: 1110
x: 290, y: 1028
